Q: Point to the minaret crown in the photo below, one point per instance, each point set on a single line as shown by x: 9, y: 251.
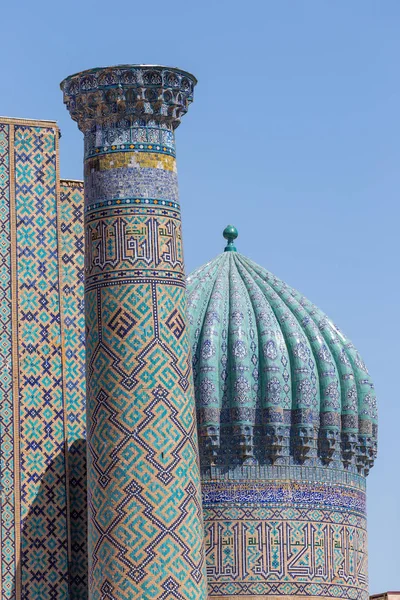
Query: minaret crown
x: 134, y: 92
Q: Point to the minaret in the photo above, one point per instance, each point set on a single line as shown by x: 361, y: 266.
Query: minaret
x: 145, y: 520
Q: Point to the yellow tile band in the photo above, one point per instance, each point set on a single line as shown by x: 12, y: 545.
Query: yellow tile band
x: 134, y: 160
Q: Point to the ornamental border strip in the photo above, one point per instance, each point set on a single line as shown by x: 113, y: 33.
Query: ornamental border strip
x: 134, y: 202
x: 132, y: 147
x: 166, y: 281
x: 304, y: 474
x: 298, y: 589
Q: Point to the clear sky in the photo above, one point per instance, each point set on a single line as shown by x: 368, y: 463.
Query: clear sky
x: 293, y: 137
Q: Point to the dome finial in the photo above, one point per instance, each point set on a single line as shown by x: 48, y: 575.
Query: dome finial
x: 230, y: 233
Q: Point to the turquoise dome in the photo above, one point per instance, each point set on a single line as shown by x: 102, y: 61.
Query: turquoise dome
x: 276, y: 381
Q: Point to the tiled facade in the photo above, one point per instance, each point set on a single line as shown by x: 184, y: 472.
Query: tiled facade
x: 41, y: 408
x: 145, y: 519
x: 71, y: 258
x: 286, y: 409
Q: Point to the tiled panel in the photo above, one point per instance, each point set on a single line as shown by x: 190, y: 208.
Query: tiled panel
x: 34, y: 560
x: 71, y: 254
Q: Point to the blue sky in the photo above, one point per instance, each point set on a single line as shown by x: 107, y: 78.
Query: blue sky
x: 293, y: 137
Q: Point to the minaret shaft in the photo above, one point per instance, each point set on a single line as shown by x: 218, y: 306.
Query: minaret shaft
x: 145, y: 523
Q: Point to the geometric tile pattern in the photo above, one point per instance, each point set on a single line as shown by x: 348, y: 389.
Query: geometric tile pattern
x: 71, y: 249
x: 71, y: 256
x: 44, y: 552
x: 7, y: 514
x: 41, y: 361
x: 145, y: 525
x: 34, y: 553
x: 270, y: 529
x: 133, y: 353
x: 302, y: 540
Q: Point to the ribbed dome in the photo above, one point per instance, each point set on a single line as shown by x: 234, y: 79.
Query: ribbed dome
x: 276, y: 381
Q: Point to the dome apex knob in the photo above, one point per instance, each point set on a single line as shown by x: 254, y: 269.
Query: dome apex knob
x: 230, y: 233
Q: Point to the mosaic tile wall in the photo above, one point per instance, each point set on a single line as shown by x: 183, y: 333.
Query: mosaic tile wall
x: 34, y: 544
x: 271, y: 530
x: 42, y: 386
x: 71, y: 251
x: 7, y: 458
x: 145, y: 520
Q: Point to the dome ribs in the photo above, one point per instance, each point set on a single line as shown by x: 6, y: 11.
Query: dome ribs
x: 206, y: 360
x: 359, y: 424
x: 242, y: 368
x: 329, y: 380
x: 296, y: 391
x: 275, y: 380
x: 305, y: 386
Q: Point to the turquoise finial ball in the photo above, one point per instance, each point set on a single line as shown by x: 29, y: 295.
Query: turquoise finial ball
x: 230, y: 233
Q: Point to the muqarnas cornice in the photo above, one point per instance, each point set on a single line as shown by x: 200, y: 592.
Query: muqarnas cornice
x: 145, y: 92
